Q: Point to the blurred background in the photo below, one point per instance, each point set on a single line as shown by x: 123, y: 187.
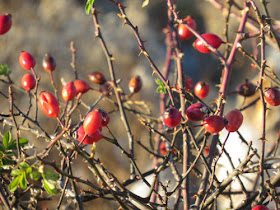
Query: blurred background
x: 48, y: 26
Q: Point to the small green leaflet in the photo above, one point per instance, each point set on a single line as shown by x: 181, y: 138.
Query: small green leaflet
x: 7, y: 139
x: 5, y: 70
x: 88, y: 6
x: 161, y: 86
x: 49, y: 187
x: 14, y: 184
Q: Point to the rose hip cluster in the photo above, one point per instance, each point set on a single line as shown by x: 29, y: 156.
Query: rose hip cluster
x: 92, y: 126
x: 200, y: 112
x: 185, y: 33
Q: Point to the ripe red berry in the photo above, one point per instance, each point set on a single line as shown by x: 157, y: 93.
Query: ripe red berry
x: 5, y: 23
x: 81, y: 86
x: 26, y: 60
x: 201, y: 89
x: 48, y: 63
x: 69, y: 91
x: 197, y: 112
x: 183, y: 32
x: 95, y: 137
x: 212, y: 39
x: 49, y: 104
x: 171, y: 117
x: 246, y: 89
x: 260, y: 207
x: 92, y: 122
x: 234, y: 120
x: 135, y: 84
x: 28, y: 82
x: 97, y: 77
x: 272, y: 96
x: 105, y: 117
x: 214, y: 124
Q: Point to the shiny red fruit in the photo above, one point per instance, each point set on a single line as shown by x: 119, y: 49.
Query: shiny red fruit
x: 201, y: 89
x: 105, y: 117
x: 171, y: 117
x: 135, y: 84
x: 246, y: 89
x: 234, y: 120
x: 95, y: 137
x: 69, y: 91
x: 162, y: 148
x: 212, y: 39
x: 26, y: 60
x: 260, y: 207
x: 48, y: 104
x: 81, y: 86
x: 183, y: 32
x: 272, y: 96
x: 28, y: 82
x: 48, y: 63
x: 97, y: 77
x: 5, y: 23
x: 92, y: 122
x: 197, y: 112
x: 214, y: 124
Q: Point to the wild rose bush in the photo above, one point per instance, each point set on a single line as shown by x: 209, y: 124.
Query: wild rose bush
x: 210, y: 148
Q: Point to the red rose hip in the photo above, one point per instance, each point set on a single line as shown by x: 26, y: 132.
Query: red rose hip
x: 49, y: 104
x: 214, y: 124
x: 183, y: 31
x: 135, y: 84
x: 197, y: 112
x: 69, y: 91
x: 260, y: 207
x: 272, y: 96
x: 48, y: 63
x: 81, y: 86
x: 246, y: 89
x: 171, y: 117
x: 234, y: 120
x: 212, y: 39
x: 201, y: 89
x: 5, y: 23
x: 92, y: 122
x: 97, y: 77
x: 26, y: 60
x: 95, y: 137
x: 28, y: 82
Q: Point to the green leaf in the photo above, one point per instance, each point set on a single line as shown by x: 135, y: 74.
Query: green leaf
x: 14, y: 184
x: 35, y: 175
x: 51, y: 175
x: 145, y: 3
x: 88, y: 6
x: 24, y: 165
x: 23, y: 181
x: 7, y: 139
x: 161, y: 90
x: 49, y: 187
x: 16, y: 172
x: 29, y: 172
x: 159, y: 82
x: 7, y: 161
x: 22, y: 142
x: 5, y: 70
